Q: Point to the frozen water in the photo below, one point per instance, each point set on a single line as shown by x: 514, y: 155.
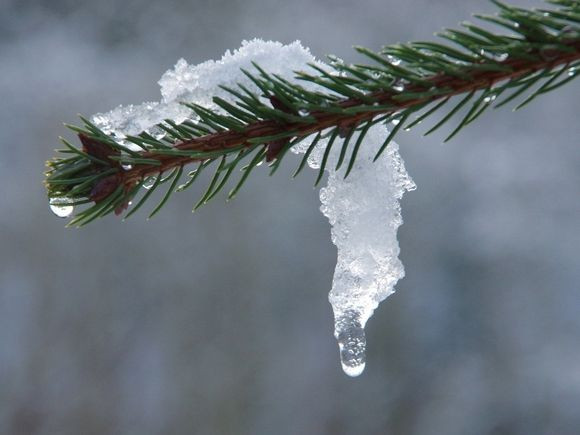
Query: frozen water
x: 199, y: 83
x: 363, y: 209
x: 352, y: 342
x: 364, y: 214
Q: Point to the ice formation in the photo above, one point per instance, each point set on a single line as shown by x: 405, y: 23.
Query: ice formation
x: 364, y: 214
x: 363, y: 209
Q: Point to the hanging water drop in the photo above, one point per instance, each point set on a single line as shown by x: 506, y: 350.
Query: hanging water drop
x: 498, y: 57
x: 148, y: 183
x: 61, y: 206
x: 127, y: 167
x: 303, y: 112
x: 350, y: 334
x: 489, y: 99
x: 394, y: 60
x: 399, y: 87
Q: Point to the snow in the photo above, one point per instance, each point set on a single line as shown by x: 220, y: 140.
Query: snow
x: 364, y: 213
x: 199, y: 83
x: 363, y: 209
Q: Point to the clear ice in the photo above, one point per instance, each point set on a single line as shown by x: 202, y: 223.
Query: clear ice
x: 363, y: 209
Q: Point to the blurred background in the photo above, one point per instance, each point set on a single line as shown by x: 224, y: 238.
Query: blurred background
x: 218, y: 322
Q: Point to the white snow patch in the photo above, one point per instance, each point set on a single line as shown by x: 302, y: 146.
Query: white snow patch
x: 199, y: 83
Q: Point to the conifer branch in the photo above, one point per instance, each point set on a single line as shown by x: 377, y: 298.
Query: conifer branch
x: 542, y: 51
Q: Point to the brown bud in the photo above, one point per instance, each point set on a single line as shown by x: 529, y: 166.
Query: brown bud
x: 274, y: 149
x: 126, y: 199
x: 97, y: 149
x: 280, y: 105
x: 104, y: 188
x: 122, y: 207
x: 344, y: 129
x: 549, y: 53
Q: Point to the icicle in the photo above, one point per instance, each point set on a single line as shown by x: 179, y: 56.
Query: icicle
x: 350, y: 334
x: 364, y: 213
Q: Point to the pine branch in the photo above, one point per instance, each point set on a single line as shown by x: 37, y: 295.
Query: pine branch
x: 542, y: 51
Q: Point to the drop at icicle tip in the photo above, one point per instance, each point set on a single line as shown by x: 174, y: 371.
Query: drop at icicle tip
x: 352, y: 342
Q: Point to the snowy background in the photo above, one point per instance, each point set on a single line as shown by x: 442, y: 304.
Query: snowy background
x: 218, y: 322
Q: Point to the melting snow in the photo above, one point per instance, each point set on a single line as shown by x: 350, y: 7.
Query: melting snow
x: 363, y: 210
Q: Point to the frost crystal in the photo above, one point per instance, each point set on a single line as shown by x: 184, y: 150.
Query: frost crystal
x: 363, y: 209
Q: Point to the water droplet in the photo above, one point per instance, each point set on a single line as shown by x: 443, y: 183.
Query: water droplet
x: 394, y: 60
x: 395, y: 121
x: 61, y: 206
x: 303, y: 112
x: 572, y: 71
x: 399, y: 87
x: 499, y: 57
x: 148, y: 183
x: 127, y: 167
x: 489, y: 99
x: 350, y: 334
